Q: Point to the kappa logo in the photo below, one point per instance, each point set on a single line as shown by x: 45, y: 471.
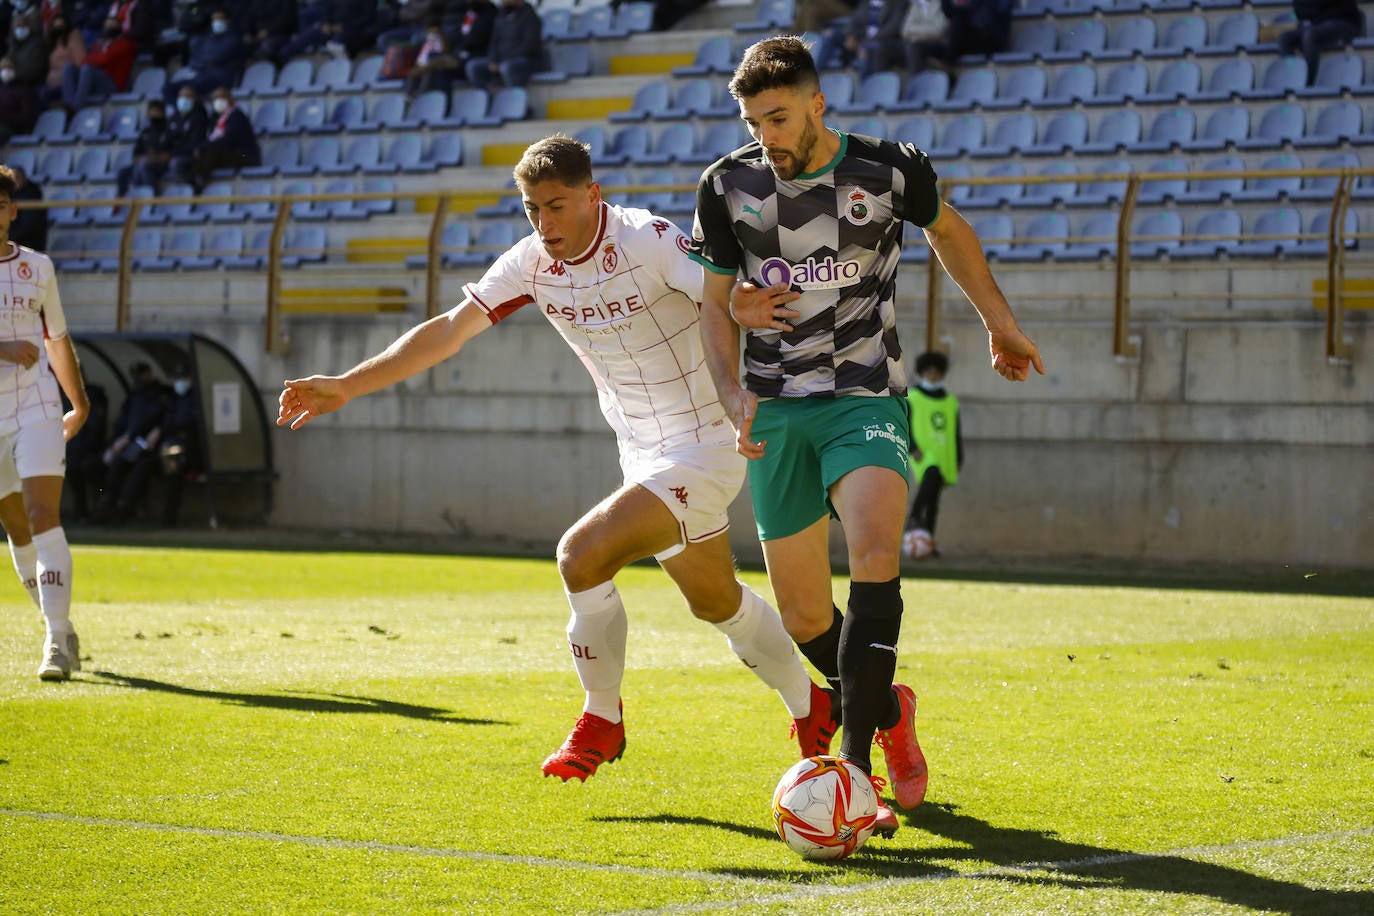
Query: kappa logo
x: 609, y: 259
x: 25, y: 271
x: 556, y: 268
x: 757, y: 214
x: 680, y: 493
x: 660, y: 226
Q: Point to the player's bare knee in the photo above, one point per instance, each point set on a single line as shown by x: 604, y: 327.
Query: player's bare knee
x: 579, y: 564
x: 43, y: 518
x: 875, y: 561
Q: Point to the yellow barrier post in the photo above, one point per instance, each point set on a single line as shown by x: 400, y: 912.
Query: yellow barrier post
x: 124, y: 285
x: 435, y: 256
x: 276, y: 341
x: 1123, y: 345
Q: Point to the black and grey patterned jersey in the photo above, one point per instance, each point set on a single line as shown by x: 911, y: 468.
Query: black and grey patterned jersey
x: 835, y: 236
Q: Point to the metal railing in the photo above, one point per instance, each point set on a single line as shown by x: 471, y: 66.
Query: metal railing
x: 447, y: 203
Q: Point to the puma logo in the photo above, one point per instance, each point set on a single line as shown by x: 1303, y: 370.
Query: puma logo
x: 757, y: 213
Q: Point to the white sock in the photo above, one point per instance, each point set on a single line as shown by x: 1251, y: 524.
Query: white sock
x: 757, y: 636
x: 55, y: 580
x: 26, y: 564
x: 596, y: 638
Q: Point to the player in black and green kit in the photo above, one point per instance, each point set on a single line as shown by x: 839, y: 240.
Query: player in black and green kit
x: 937, y: 450
x: 813, y: 219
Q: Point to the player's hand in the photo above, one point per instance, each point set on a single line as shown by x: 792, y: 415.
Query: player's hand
x: 21, y: 352
x: 762, y: 309
x: 1013, y: 353
x: 740, y: 406
x: 304, y: 399
x: 72, y: 421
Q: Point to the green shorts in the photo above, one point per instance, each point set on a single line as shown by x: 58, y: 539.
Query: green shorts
x: 813, y: 442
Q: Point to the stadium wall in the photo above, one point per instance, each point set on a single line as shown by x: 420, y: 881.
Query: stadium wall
x: 1228, y: 441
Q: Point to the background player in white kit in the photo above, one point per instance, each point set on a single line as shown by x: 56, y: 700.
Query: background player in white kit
x: 619, y: 287
x: 36, y: 356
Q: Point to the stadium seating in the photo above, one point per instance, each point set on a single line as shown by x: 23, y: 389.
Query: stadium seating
x: 1046, y: 236
x: 1156, y: 234
x: 715, y: 55
x: 1233, y: 78
x: 923, y: 91
x: 1269, y: 189
x: 1215, y: 190
x: 1125, y: 83
x: 1224, y: 224
x: 1049, y: 194
x: 1320, y: 226
x: 1065, y: 131
x: 1014, y: 133
x: 1337, y: 123
x: 1179, y: 80
x: 1275, y: 232
x: 1155, y: 190
x: 1021, y: 86
x: 995, y: 195
x: 1323, y: 187
x: 1228, y: 126
x: 652, y: 97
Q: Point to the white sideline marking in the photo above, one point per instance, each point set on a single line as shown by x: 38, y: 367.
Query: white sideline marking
x: 401, y: 848
x: 817, y: 891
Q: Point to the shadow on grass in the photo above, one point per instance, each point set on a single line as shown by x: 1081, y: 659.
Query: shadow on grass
x: 1033, y: 857
x: 298, y: 702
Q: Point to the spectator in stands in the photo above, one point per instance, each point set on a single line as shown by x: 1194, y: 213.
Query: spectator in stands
x: 1322, y: 25
x: 874, y: 40
x: 214, y: 58
x: 341, y: 27
x: 190, y: 131
x: 139, y: 21
x: 816, y: 15
x: 925, y: 22
x: 516, y: 49
x: 180, y: 452
x: 975, y: 27
x: 267, y: 27
x: 88, y: 17
x: 108, y: 65
x: 152, y: 152
x: 137, y: 431
x: 65, y: 46
x: 435, y: 65
x: 231, y: 143
x: 668, y: 13
x: 18, y: 103
x: 470, y: 34
x: 412, y: 22
x: 30, y: 226
x: 28, y: 50
x: 48, y: 10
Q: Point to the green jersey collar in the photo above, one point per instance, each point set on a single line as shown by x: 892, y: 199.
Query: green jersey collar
x: 829, y: 166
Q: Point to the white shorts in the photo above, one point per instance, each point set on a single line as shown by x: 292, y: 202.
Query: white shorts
x: 696, y: 483
x: 34, y: 450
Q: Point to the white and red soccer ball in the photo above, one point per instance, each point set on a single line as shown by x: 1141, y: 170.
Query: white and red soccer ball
x: 825, y: 808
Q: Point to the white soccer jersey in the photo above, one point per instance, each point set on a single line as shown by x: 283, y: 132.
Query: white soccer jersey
x: 629, y: 307
x: 30, y: 309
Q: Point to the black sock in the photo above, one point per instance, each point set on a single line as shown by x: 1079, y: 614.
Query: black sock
x: 823, y: 653
x: 868, y: 661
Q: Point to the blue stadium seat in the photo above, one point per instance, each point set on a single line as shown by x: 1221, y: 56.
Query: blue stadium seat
x: 917, y: 131
x: 85, y: 125
x: 876, y: 92
x: 102, y: 250
x: 511, y: 103
x: 595, y: 22
x: 65, y: 249
x: 838, y: 88
x: 1157, y: 233
x: 1280, y: 124
x: 1032, y: 41
x: 186, y: 214
x: 252, y: 250
x: 594, y: 138
x: 649, y: 99
x: 146, y: 251
x: 1074, y: 83
x: 406, y: 152
x: 958, y: 194
x: 995, y: 231
x: 256, y: 209
x: 387, y: 112
x: 1271, y: 189
x: 1222, y: 225
x: 1102, y: 191
x: 333, y: 76
x: 961, y: 135
x: 1184, y: 34
x: 628, y: 145
x: 277, y: 154
x: 49, y: 128
x: 269, y: 117
x: 1337, y: 73
x: 1224, y: 127
x: 1337, y: 123
x: 985, y: 196
x: 493, y: 238
x: 1233, y: 78
x: 1215, y: 190
x: 341, y: 210
x: 225, y: 246
x: 104, y: 214
x: 1236, y: 31
x: 259, y: 79
x: 1046, y: 236
x: 1125, y: 82
x: 446, y: 149
x: 1274, y: 232
x: 219, y: 211
x: 770, y: 16
x: 454, y: 240
x: 1083, y: 38
x: 566, y: 60
x: 1180, y: 80
x: 311, y: 116
x: 317, y: 155
x: 1283, y: 75
x: 380, y: 206
x: 349, y: 114
x: 660, y: 202
x: 557, y: 24
x: 1132, y: 35
x: 675, y: 143
x: 185, y: 248
x: 55, y: 166
x: 92, y: 164
x: 634, y: 17
x: 1047, y: 194
x: 1118, y: 130
x: 1014, y: 133
x: 66, y: 217
x: 430, y: 109
x: 611, y: 181
x: 692, y: 97
x: 147, y: 84
x: 296, y: 77
x: 1157, y: 190
x: 1021, y: 86
x: 123, y: 123
x: 924, y: 90
x: 977, y: 86
x: 367, y: 77
x: 26, y: 159
x: 307, y: 245
x: 723, y: 138
x: 363, y: 153
x: 1171, y: 129
x: 1323, y: 187
x: 714, y: 55
x: 867, y: 127
x: 1320, y: 226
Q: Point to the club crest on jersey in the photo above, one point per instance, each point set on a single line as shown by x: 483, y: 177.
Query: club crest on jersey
x: 813, y: 274
x: 25, y: 271
x: 859, y: 210
x: 609, y: 258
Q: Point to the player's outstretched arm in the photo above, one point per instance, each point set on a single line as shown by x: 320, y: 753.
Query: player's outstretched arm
x: 961, y: 254
x: 422, y: 347
x: 720, y: 335
x: 67, y: 368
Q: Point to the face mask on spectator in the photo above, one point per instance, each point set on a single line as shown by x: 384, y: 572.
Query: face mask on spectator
x: 183, y: 104
x: 6, y: 75
x: 219, y: 26
x: 20, y: 5
x: 181, y: 385
x: 21, y: 32
x: 221, y: 105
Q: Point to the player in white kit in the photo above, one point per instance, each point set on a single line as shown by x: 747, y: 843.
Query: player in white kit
x: 618, y: 286
x: 36, y: 356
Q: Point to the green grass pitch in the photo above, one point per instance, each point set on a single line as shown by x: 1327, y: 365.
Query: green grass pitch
x: 315, y: 732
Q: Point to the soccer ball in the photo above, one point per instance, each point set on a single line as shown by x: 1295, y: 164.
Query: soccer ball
x: 824, y: 808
